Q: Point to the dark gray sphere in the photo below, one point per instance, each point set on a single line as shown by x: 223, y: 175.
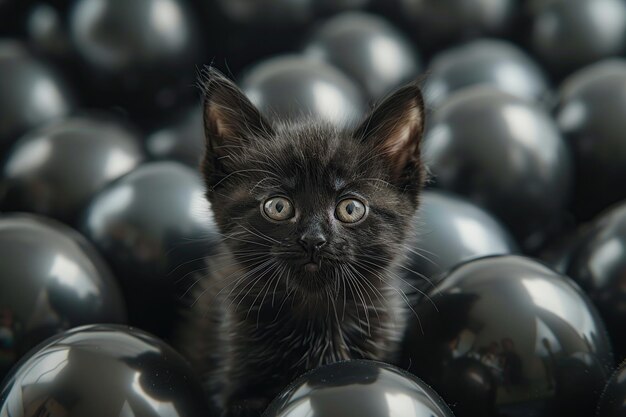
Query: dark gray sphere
x: 506, y: 155
x: 590, y: 114
x: 154, y: 227
x: 51, y: 279
x: 451, y: 230
x: 368, y: 49
x: 569, y: 34
x: 484, y: 62
x: 55, y: 170
x: 292, y: 87
x: 30, y: 93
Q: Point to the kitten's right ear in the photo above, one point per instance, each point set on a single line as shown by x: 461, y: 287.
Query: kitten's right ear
x: 231, y: 121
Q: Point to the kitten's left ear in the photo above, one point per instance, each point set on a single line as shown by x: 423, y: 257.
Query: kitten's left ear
x: 395, y: 128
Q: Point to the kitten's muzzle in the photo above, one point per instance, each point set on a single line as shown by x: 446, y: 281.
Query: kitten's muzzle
x: 312, y: 242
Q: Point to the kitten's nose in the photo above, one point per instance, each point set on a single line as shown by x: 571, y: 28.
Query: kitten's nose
x: 312, y: 241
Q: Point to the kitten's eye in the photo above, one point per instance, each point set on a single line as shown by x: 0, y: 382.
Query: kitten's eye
x: 350, y: 210
x: 278, y: 208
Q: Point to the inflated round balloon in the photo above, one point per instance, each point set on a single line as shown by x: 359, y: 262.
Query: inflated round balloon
x: 368, y: 49
x: 181, y: 141
x: 613, y: 400
x: 598, y: 263
x: 439, y: 22
x: 541, y: 340
x: 451, y: 230
x: 140, y: 54
x: 56, y: 169
x: 569, y: 34
x: 484, y: 62
x: 358, y: 389
x: 31, y: 93
x: 103, y: 370
x: 590, y: 114
x: 154, y: 227
x: 51, y: 279
x: 292, y: 87
x: 503, y: 153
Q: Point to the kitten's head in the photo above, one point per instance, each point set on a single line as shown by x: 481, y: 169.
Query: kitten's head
x: 328, y: 208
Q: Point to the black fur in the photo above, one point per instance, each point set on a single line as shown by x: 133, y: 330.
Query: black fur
x: 259, y: 318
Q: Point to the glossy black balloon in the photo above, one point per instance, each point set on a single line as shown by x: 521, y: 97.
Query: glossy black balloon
x: 590, y: 113
x: 484, y: 62
x: 154, y: 227
x: 292, y: 87
x: 613, y: 401
x: 51, y: 279
x: 569, y: 34
x: 31, y: 94
x: 537, y: 345
x: 56, y: 169
x: 358, y: 389
x: 181, y: 141
x: 597, y: 261
x: 451, y: 230
x: 139, y: 54
x: 368, y: 49
x: 506, y: 155
x: 103, y: 371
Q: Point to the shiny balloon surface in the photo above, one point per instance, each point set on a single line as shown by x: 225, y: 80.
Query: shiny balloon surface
x: 484, y: 62
x: 103, y: 371
x: 569, y: 34
x: 451, y: 230
x: 358, y: 389
x: 56, y: 169
x: 31, y: 93
x: 154, y: 227
x: 590, y: 113
x: 506, y: 155
x: 514, y: 333
x: 292, y: 87
x: 613, y: 401
x: 368, y: 49
x: 52, y: 279
x: 597, y: 261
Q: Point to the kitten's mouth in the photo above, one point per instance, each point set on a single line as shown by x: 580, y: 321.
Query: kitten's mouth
x: 312, y: 266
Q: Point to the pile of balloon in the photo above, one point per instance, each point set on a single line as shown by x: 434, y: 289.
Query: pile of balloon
x: 523, y: 222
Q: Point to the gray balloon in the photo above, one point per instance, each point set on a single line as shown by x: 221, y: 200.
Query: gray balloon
x: 51, y: 279
x: 181, y: 141
x: 569, y: 34
x: 484, y: 62
x: 154, y: 226
x: 31, y: 93
x: 451, y: 230
x: 590, y: 114
x: 292, y: 87
x: 504, y: 154
x: 56, y: 169
x: 368, y: 49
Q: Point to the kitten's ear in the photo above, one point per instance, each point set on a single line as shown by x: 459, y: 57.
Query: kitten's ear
x: 394, y: 129
x: 230, y: 121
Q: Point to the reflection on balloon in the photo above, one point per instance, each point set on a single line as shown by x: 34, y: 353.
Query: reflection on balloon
x: 532, y: 330
x: 154, y: 227
x: 358, y: 389
x: 103, y: 370
x: 55, y: 170
x: 291, y: 87
x: 52, y: 279
x: 506, y: 155
x: 368, y: 49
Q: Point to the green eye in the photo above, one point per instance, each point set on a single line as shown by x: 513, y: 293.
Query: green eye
x: 278, y: 208
x: 350, y: 210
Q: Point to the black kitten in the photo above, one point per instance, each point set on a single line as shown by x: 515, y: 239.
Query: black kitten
x: 314, y: 223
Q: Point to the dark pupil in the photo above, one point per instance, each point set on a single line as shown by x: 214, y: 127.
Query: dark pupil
x: 350, y: 208
x: 279, y: 206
